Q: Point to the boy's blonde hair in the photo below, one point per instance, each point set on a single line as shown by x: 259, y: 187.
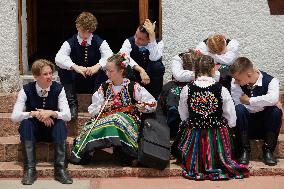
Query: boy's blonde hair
x: 216, y: 43
x: 39, y: 64
x: 241, y: 65
x: 87, y: 22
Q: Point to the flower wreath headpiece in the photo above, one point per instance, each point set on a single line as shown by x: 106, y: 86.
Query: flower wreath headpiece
x: 124, y: 60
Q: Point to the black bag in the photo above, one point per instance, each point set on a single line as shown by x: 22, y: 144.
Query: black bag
x: 154, y: 146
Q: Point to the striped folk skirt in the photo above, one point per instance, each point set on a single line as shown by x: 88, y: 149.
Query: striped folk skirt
x: 115, y: 130
x: 207, y: 154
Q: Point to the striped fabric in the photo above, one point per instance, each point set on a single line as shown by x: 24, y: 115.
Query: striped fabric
x: 207, y: 154
x: 118, y: 129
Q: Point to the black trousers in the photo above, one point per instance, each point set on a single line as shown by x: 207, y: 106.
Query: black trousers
x: 257, y: 125
x: 33, y: 130
x: 82, y: 85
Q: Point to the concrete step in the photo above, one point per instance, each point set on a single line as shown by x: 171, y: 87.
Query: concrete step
x: 8, y: 128
x: 112, y: 169
x: 10, y: 149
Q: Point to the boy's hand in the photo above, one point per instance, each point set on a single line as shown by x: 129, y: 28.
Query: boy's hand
x: 92, y: 70
x: 34, y: 114
x: 109, y: 105
x: 150, y: 28
x: 48, y: 122
x: 244, y: 99
x: 140, y: 107
x: 79, y: 69
x: 144, y: 77
x: 46, y: 114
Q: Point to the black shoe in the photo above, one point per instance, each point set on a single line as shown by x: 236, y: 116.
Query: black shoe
x: 30, y: 177
x: 268, y: 148
x: 245, y: 157
x: 72, y: 100
x: 74, y: 112
x: 29, y: 162
x: 268, y: 158
x: 62, y: 175
x: 245, y: 149
x: 60, y: 163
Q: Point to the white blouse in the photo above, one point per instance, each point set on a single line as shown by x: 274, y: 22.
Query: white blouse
x: 228, y: 106
x: 228, y: 58
x: 182, y: 75
x: 64, y: 61
x: 140, y: 95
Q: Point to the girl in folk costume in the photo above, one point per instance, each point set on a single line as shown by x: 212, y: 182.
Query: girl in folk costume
x: 207, y: 110
x: 224, y: 51
x: 169, y: 97
x: 117, y: 107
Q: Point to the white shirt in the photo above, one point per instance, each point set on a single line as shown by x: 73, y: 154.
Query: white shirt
x: 140, y: 95
x: 64, y: 61
x: 228, y: 58
x: 257, y: 103
x: 19, y: 111
x: 155, y: 50
x: 182, y: 75
x: 228, y: 105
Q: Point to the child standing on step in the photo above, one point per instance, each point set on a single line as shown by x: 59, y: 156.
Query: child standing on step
x: 42, y: 109
x: 207, y: 110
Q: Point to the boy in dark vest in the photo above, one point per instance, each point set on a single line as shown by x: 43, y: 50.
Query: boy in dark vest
x: 42, y: 110
x: 146, y: 51
x: 256, y: 97
x: 80, y: 60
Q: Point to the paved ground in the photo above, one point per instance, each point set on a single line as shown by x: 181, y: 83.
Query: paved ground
x: 270, y: 182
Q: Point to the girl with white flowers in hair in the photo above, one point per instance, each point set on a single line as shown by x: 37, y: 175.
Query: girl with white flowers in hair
x: 116, y: 109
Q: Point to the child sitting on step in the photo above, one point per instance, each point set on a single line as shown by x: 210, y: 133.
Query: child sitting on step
x: 42, y: 110
x: 207, y: 110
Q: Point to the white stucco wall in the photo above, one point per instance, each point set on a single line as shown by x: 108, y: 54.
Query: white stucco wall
x: 9, y: 64
x: 261, y: 35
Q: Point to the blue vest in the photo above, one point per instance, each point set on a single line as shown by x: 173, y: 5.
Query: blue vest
x: 141, y: 58
x: 258, y: 90
x: 35, y: 101
x: 78, y: 52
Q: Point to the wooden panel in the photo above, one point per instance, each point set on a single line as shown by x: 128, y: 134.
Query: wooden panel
x: 143, y: 10
x: 276, y: 7
x: 20, y: 36
x: 31, y: 27
x: 160, y: 19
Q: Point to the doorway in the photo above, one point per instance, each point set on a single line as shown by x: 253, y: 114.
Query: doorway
x: 50, y: 23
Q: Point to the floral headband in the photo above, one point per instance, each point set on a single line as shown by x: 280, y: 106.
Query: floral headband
x: 124, y: 60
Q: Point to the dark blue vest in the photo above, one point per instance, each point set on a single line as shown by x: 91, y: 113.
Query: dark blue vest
x: 141, y: 58
x: 77, y: 54
x: 35, y: 101
x: 258, y: 90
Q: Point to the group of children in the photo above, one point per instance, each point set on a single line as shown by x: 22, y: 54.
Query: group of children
x: 212, y: 91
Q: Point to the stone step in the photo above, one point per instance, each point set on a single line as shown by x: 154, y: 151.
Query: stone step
x: 10, y: 149
x: 8, y: 128
x: 109, y: 169
x: 7, y: 101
